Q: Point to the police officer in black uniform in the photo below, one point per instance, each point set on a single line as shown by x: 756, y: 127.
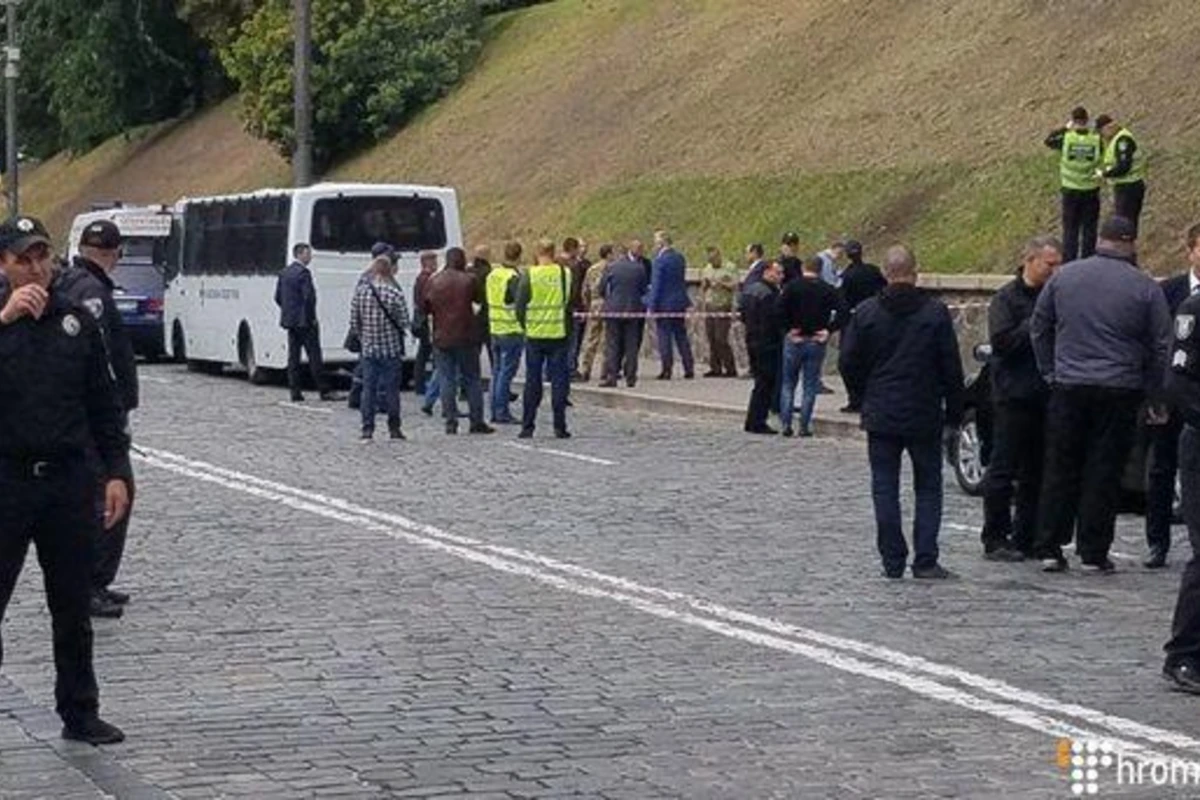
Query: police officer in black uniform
x: 88, y: 283
x: 58, y: 403
x: 1183, y: 390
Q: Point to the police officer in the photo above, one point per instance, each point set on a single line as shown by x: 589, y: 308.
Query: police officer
x: 544, y: 309
x: 1081, y: 154
x: 1124, y: 167
x: 1183, y: 390
x: 88, y: 283
x: 58, y: 402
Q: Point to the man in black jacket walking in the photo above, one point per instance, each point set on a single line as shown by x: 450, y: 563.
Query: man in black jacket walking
x: 901, y: 353
x: 1164, y: 439
x: 1019, y: 395
x: 88, y: 283
x: 764, y: 345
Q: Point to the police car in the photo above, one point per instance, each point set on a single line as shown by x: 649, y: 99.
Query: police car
x: 139, y: 276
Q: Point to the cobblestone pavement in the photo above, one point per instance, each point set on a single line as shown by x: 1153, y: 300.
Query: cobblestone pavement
x: 656, y: 608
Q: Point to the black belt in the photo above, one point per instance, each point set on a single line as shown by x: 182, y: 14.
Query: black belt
x: 33, y: 468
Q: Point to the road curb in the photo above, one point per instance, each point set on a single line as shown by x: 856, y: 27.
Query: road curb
x: 837, y: 425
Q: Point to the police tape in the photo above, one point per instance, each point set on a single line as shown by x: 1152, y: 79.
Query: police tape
x: 714, y: 314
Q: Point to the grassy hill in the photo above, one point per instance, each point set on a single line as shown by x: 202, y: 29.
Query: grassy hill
x: 734, y: 120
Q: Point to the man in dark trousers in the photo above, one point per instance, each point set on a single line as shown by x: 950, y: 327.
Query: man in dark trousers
x: 1182, y: 666
x: 1124, y: 167
x: 296, y: 297
x: 860, y: 282
x: 59, y: 404
x: 1019, y: 398
x: 623, y: 286
x: 901, y: 352
x: 88, y: 283
x: 1101, y: 334
x: 668, y: 297
x: 764, y: 345
x: 1164, y: 439
x: 1081, y: 154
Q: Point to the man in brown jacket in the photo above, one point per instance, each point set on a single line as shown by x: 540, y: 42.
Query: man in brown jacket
x: 450, y: 300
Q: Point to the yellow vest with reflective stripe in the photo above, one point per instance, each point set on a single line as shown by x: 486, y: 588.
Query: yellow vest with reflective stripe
x: 1081, y: 155
x: 502, y: 317
x: 549, y: 292
x: 1137, y: 171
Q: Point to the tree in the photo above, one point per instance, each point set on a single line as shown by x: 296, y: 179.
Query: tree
x: 375, y: 64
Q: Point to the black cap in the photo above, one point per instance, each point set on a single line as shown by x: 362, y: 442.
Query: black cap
x: 18, y: 234
x: 101, y: 234
x: 1103, y: 120
x: 381, y: 249
x: 791, y: 239
x: 1118, y: 229
x: 854, y: 248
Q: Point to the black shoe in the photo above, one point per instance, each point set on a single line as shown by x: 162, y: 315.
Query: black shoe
x: 482, y: 428
x: 569, y: 403
x: 1156, y: 560
x: 825, y: 390
x: 806, y: 433
x: 452, y: 428
x: 396, y: 433
x: 297, y: 397
x: 631, y: 383
x: 689, y: 376
x: 93, y: 730
x: 607, y: 384
x: 526, y: 433
x: 731, y: 374
x: 934, y: 573
x: 427, y: 410
x: 512, y: 398
x: 787, y: 432
x: 712, y: 373
x: 562, y: 433
x: 850, y: 409
x: 1104, y: 566
x: 664, y: 376
x: 765, y: 430
x: 113, y: 596
x: 1185, y: 675
x: 104, y: 608
x: 892, y: 574
x: 1003, y: 553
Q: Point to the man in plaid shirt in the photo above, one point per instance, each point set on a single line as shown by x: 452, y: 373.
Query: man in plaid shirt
x: 379, y: 315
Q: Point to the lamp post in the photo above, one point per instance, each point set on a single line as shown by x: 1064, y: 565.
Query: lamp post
x: 12, y: 59
x: 301, y: 70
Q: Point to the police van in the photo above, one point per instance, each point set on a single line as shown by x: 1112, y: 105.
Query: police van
x: 140, y: 275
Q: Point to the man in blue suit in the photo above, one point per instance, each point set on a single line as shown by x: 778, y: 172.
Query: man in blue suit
x: 296, y: 297
x: 669, y: 296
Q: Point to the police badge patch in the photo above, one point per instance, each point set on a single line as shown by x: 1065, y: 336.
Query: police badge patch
x: 1184, y: 325
x: 94, y: 305
x: 70, y: 325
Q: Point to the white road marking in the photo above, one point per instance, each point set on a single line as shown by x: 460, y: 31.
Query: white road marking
x: 562, y: 453
x: 914, y: 673
x: 303, y: 407
x: 154, y: 379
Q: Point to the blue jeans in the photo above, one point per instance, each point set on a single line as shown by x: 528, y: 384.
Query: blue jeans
x: 546, y: 358
x: 459, y: 366
x: 885, y: 453
x: 381, y: 378
x: 674, y: 330
x: 507, y: 350
x: 800, y: 359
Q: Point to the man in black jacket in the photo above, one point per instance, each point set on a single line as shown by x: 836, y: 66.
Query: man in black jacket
x: 296, y: 297
x: 1164, y: 439
x: 860, y: 282
x: 901, y: 353
x: 1019, y: 395
x: 810, y: 310
x: 88, y: 283
x: 764, y: 345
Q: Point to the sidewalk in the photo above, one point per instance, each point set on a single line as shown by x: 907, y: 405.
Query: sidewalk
x: 718, y: 397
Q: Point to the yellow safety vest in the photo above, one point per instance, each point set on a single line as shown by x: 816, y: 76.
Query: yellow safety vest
x: 550, y: 290
x: 1137, y: 172
x: 1081, y: 154
x: 502, y: 316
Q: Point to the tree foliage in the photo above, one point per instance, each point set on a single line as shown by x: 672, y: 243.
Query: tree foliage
x: 375, y: 64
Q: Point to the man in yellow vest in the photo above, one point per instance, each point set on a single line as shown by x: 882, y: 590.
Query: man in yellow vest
x: 544, y: 310
x: 508, y: 338
x: 1124, y: 168
x: 1081, y: 154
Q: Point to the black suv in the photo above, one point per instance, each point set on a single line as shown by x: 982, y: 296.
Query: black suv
x: 971, y: 451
